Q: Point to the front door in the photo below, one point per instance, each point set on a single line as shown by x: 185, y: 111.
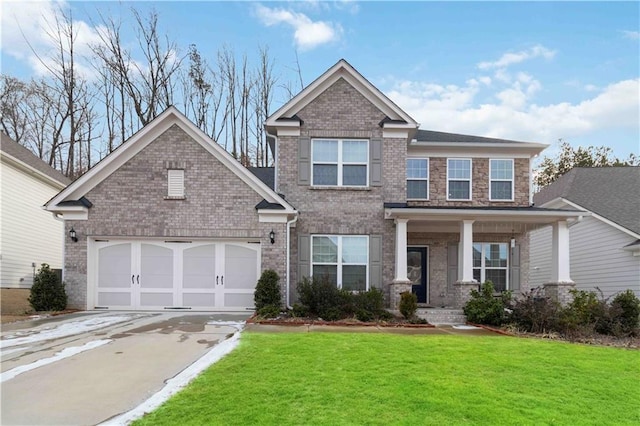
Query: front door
x: 417, y: 271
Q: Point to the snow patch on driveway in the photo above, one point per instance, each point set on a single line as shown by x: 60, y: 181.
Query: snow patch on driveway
x: 63, y: 330
x: 65, y: 353
x: 183, y: 378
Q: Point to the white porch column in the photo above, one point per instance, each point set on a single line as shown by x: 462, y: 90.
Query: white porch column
x: 401, y: 250
x: 465, y: 252
x: 560, y: 261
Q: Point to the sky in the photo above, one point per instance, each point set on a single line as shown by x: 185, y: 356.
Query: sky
x: 529, y: 71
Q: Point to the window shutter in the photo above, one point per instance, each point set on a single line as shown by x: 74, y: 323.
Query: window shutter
x: 304, y: 257
x: 304, y: 161
x: 375, y: 261
x: 375, y: 162
x: 175, y: 183
x: 514, y: 271
x: 452, y: 265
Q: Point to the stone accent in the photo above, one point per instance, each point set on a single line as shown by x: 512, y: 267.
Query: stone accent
x: 131, y: 204
x: 396, y: 290
x: 559, y: 292
x: 462, y: 291
x: 442, y: 316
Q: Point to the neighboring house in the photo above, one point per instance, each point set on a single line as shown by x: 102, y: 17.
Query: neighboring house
x: 605, y: 246
x: 29, y: 235
x: 357, y: 193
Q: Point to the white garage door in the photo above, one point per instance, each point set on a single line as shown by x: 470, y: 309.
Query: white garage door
x: 157, y: 275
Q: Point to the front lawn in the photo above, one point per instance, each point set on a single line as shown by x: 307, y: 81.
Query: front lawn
x: 361, y: 378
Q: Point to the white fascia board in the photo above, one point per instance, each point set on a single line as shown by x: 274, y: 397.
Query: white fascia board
x: 287, y: 131
x: 146, y: 136
x: 274, y: 216
x: 594, y: 215
x: 477, y: 150
x: 21, y: 165
x: 484, y: 215
x: 340, y: 70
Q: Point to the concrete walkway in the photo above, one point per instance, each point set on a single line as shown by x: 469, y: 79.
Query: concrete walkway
x: 85, y: 369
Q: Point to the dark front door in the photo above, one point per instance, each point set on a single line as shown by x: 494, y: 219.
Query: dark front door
x: 417, y: 267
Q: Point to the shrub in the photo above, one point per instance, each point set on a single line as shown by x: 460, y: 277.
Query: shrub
x: 625, y: 313
x: 484, y: 308
x: 269, y: 311
x: 585, y: 315
x: 369, y: 305
x: 321, y: 297
x: 267, y: 291
x: 298, y: 311
x: 47, y: 292
x: 408, y: 304
x: 535, y: 313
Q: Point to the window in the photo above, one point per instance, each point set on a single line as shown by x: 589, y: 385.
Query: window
x: 343, y: 259
x: 501, y: 180
x: 175, y: 183
x: 490, y: 263
x: 339, y: 162
x: 418, y: 178
x: 459, y: 179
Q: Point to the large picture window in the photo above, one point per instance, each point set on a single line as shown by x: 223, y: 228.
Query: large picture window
x: 501, y: 180
x: 338, y: 162
x: 491, y: 263
x: 418, y: 179
x: 459, y: 179
x: 343, y: 259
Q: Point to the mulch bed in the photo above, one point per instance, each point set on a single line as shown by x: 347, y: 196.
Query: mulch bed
x: 349, y: 322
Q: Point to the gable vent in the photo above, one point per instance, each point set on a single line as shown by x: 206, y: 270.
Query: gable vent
x: 176, y: 183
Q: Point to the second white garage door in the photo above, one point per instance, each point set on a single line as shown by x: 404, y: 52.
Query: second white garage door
x: 160, y: 275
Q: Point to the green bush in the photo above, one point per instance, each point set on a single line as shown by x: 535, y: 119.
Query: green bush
x: 585, y: 315
x: 267, y: 291
x: 535, y: 313
x: 269, y: 311
x: 485, y: 308
x: 408, y: 304
x: 625, y: 313
x: 321, y: 297
x: 47, y: 292
x: 369, y: 305
x: 299, y: 311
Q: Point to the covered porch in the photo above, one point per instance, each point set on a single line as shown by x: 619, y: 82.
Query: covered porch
x: 443, y: 253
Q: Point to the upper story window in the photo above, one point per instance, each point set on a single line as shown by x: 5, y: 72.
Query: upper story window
x: 501, y: 180
x: 338, y: 162
x: 343, y: 259
x: 418, y: 178
x: 459, y: 179
x: 175, y: 183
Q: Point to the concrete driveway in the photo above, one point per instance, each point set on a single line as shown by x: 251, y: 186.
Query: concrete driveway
x: 87, y: 368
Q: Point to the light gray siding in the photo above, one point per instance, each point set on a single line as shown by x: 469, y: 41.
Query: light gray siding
x: 597, y: 257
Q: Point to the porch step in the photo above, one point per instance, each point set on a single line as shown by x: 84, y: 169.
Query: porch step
x: 438, y: 316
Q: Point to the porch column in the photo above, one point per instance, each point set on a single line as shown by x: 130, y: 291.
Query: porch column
x: 465, y: 252
x: 401, y: 282
x: 561, y: 283
x: 401, y: 250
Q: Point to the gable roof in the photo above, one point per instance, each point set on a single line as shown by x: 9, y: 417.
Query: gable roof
x: 25, y: 158
x: 141, y: 139
x: 342, y: 69
x: 610, y: 192
x: 433, y: 136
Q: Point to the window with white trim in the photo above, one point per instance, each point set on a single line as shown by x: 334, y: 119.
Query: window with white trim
x: 175, y: 183
x: 340, y: 162
x: 501, y: 180
x: 418, y: 178
x: 343, y: 259
x: 491, y: 263
x: 459, y: 179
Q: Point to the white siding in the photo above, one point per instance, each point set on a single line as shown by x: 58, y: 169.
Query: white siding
x: 28, y: 234
x: 597, y: 257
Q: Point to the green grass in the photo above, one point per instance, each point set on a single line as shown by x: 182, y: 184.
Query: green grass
x: 386, y: 379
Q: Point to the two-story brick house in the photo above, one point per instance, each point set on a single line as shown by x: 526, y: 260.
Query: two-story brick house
x: 359, y: 193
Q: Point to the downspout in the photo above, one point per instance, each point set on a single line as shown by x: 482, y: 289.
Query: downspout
x: 289, y: 223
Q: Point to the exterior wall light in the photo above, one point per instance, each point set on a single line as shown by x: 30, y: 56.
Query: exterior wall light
x: 272, y: 236
x: 72, y: 235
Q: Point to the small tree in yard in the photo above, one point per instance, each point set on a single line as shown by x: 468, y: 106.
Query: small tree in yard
x: 267, y: 294
x: 47, y: 292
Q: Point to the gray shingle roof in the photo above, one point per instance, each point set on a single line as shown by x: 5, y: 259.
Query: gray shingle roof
x: 610, y: 192
x: 265, y: 174
x: 432, y: 136
x: 19, y: 152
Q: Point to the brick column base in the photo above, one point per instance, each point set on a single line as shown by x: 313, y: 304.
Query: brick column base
x: 397, y: 288
x: 462, y: 292
x: 559, y: 292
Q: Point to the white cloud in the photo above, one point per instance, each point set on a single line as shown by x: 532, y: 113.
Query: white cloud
x: 307, y: 33
x: 633, y: 35
x: 517, y: 57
